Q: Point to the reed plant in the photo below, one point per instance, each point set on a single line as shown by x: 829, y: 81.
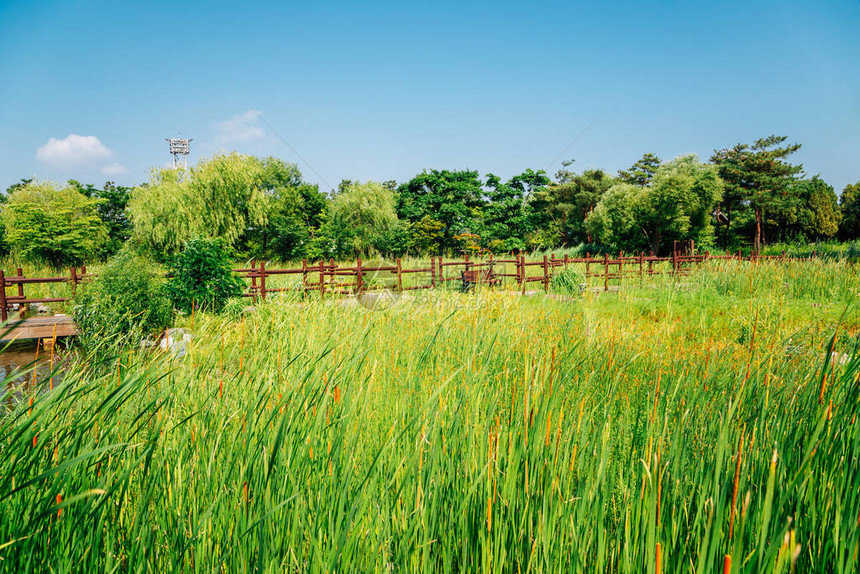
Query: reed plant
x: 638, y: 431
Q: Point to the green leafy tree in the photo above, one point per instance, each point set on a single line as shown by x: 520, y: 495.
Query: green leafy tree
x: 757, y: 178
x: 46, y: 223
x: 677, y: 205
x: 642, y: 172
x: 817, y: 213
x: 567, y: 204
x: 112, y: 202
x: 361, y: 217
x: 453, y: 198
x: 508, y: 215
x: 201, y: 276
x: 427, y: 235
x: 4, y: 245
x: 295, y: 211
x: 614, y: 220
x: 221, y: 197
x: 849, y: 205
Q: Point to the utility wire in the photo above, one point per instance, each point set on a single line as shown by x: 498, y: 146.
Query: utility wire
x: 268, y: 125
x: 594, y: 121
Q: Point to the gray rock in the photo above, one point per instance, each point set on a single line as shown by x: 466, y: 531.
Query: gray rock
x: 176, y: 341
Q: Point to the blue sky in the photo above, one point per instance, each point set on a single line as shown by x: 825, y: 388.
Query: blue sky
x: 89, y: 90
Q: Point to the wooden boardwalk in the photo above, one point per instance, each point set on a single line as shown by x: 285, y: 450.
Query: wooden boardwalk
x: 39, y: 328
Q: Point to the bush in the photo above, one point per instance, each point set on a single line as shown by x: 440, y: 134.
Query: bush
x: 125, y: 303
x: 201, y: 276
x: 568, y: 281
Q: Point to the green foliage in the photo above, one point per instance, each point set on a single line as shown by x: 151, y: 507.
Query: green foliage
x: 849, y: 205
x: 58, y: 226
x: 221, y: 197
x: 568, y: 204
x: 126, y: 302
x: 295, y: 211
x: 427, y: 235
x: 112, y: 202
x: 818, y: 214
x: 642, y: 172
x: 508, y: 215
x: 676, y: 205
x: 453, y: 198
x: 613, y: 221
x: 201, y: 276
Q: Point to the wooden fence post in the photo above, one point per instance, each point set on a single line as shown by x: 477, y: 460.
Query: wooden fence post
x: 20, y: 285
x: 304, y: 276
x: 441, y: 272
x: 518, y: 274
x: 433, y: 272
x: 641, y: 255
x: 263, y: 280
x: 254, y: 279
x: 545, y: 275
x: 674, y: 263
x: 3, y: 313
x: 359, y: 278
x: 322, y: 279
x: 399, y: 276
x: 525, y: 274
x: 606, y: 271
x: 74, y: 280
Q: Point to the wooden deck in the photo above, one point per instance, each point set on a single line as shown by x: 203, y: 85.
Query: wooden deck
x: 39, y: 328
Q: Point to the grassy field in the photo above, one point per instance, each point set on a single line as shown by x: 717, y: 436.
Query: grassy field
x: 662, y: 428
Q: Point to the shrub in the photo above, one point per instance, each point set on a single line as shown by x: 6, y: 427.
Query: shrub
x: 125, y: 303
x: 201, y: 276
x: 568, y: 281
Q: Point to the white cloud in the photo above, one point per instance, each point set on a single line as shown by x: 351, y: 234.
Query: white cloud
x: 79, y: 152
x: 115, y: 168
x: 242, y: 128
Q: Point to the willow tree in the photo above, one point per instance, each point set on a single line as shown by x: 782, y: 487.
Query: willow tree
x: 360, y: 216
x: 221, y: 197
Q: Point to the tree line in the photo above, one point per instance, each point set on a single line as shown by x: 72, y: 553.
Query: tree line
x: 742, y: 197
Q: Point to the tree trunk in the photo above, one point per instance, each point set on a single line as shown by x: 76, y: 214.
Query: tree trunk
x: 728, y: 225
x: 655, y: 243
x: 757, y: 243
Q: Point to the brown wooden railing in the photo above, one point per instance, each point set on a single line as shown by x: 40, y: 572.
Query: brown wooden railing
x: 8, y: 302
x: 329, y: 277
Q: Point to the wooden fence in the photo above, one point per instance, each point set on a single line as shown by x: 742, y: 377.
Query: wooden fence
x: 333, y: 278
x: 329, y: 277
x: 21, y: 302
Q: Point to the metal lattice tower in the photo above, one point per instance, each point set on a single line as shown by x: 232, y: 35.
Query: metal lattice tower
x: 179, y: 147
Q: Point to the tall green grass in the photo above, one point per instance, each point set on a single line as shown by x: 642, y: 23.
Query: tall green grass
x: 460, y: 433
